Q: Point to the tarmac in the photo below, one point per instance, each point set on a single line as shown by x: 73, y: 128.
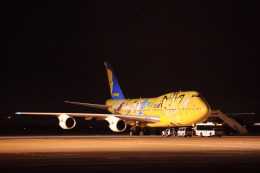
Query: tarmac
x: 129, y: 154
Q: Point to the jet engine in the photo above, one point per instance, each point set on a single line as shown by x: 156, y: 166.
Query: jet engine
x: 116, y: 124
x: 66, y: 122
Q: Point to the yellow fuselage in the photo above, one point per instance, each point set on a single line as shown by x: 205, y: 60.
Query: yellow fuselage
x: 174, y: 109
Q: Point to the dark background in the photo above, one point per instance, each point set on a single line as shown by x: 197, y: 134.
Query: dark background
x: 54, y: 51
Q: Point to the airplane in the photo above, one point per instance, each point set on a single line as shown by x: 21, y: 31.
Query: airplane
x: 170, y: 110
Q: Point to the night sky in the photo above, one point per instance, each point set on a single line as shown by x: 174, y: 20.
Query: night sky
x: 54, y: 51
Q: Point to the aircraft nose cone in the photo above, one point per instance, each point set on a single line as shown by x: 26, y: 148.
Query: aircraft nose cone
x: 204, y: 110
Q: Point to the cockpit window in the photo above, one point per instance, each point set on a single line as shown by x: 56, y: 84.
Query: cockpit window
x: 197, y: 95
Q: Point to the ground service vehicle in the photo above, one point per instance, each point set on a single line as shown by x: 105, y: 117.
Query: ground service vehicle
x: 169, y: 132
x: 208, y: 129
x: 184, y: 131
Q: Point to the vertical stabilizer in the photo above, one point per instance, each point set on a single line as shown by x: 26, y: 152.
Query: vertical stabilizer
x: 115, y: 89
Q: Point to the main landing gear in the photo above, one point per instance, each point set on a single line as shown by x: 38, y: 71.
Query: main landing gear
x: 134, y: 130
x: 141, y: 133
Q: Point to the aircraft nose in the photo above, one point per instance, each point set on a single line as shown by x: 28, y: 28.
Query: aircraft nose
x: 204, y: 109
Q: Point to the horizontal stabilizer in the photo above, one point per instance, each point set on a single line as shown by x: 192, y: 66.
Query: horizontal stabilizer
x: 90, y: 105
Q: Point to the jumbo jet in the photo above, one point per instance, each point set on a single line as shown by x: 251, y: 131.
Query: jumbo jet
x: 166, y: 111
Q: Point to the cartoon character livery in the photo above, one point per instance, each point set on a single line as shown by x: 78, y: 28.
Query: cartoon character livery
x: 169, y: 110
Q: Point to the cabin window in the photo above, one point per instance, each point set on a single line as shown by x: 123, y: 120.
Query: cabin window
x: 196, y: 95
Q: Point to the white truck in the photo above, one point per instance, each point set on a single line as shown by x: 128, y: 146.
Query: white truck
x: 184, y: 131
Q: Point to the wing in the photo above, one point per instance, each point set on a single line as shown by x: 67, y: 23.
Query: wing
x: 248, y: 113
x: 141, y: 118
x: 90, y: 105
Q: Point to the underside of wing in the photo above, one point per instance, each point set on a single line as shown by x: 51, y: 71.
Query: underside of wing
x: 141, y: 118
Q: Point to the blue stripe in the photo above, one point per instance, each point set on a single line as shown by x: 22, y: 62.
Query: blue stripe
x: 116, y: 90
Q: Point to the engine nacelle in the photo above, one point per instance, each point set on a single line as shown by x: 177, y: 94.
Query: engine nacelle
x: 116, y: 124
x: 67, y: 122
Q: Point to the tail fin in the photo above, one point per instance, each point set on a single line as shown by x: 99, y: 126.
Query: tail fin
x: 115, y: 89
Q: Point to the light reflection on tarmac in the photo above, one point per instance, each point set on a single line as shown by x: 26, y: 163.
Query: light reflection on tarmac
x: 129, y: 154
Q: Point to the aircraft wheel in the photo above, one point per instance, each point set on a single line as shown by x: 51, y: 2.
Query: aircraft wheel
x: 201, y: 135
x: 131, y: 133
x: 141, y: 133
